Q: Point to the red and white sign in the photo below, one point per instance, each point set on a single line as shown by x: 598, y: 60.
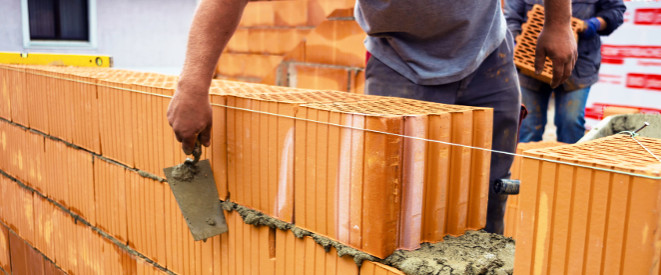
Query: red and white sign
x: 630, y: 73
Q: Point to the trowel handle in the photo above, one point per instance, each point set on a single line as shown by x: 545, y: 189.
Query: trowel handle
x: 197, y: 151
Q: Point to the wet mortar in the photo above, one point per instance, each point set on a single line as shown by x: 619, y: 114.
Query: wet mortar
x: 476, y: 252
x: 184, y: 172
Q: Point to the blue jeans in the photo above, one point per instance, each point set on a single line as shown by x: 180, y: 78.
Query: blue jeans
x: 569, y: 113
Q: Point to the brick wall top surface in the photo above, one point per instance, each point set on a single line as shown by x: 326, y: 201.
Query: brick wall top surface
x: 391, y: 106
x: 619, y: 152
x: 523, y: 146
x: 309, y: 96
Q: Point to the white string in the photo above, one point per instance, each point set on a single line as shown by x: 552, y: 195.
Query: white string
x: 372, y: 131
x: 648, y: 150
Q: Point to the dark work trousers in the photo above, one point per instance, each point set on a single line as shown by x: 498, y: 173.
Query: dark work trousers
x: 494, y: 84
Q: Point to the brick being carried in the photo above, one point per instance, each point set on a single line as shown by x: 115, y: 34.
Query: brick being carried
x: 512, y: 212
x: 580, y: 220
x: 526, y: 43
x: 378, y: 192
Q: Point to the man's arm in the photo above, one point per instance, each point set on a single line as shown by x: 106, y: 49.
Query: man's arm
x: 189, y: 112
x: 557, y: 41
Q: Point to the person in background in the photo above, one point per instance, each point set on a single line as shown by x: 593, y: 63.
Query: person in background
x: 600, y: 17
x: 456, y: 52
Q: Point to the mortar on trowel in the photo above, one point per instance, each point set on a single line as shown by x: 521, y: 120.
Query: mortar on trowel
x: 194, y: 188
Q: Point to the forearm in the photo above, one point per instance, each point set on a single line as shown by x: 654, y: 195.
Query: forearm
x: 557, y: 14
x: 213, y: 25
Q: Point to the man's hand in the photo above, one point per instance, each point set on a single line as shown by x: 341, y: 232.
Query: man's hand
x: 189, y: 112
x: 560, y: 46
x: 557, y: 41
x: 190, y: 116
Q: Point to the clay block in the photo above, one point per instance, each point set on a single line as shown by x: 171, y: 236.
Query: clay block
x: 588, y: 220
x: 85, y: 117
x: 290, y: 13
x: 219, y: 145
x: 480, y: 168
x: 413, y: 181
x: 374, y: 268
x: 116, y: 121
x: 4, y: 249
x: 247, y: 65
x: 57, y: 171
x: 24, y: 259
x: 240, y: 41
x: 358, y: 82
x: 33, y: 98
x: 512, y: 212
x: 18, y: 209
x: 5, y: 99
x: 437, y: 180
x: 110, y: 195
x: 337, y: 42
x: 261, y: 176
x: 19, y: 95
x: 320, y: 77
x: 258, y: 13
x: 144, y: 203
x: 80, y: 180
x: 340, y: 14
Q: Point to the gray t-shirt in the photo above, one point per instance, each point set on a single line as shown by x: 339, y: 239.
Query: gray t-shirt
x: 431, y: 42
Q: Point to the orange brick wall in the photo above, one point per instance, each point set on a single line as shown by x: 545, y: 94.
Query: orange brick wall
x: 372, y: 197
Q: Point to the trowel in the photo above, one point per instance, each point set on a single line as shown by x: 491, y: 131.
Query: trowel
x: 195, y: 190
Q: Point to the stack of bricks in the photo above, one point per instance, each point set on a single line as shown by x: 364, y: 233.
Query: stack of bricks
x: 331, y: 57
x: 513, y: 211
x: 84, y: 151
x: 267, y: 32
x: 526, y: 43
x: 324, y: 52
x: 581, y: 220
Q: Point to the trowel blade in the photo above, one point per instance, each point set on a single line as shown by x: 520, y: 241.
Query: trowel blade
x: 198, y: 201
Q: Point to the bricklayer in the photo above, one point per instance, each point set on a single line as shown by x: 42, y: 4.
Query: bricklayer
x: 577, y: 220
x: 526, y: 43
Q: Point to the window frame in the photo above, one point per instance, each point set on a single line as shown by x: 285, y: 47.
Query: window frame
x: 31, y: 44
